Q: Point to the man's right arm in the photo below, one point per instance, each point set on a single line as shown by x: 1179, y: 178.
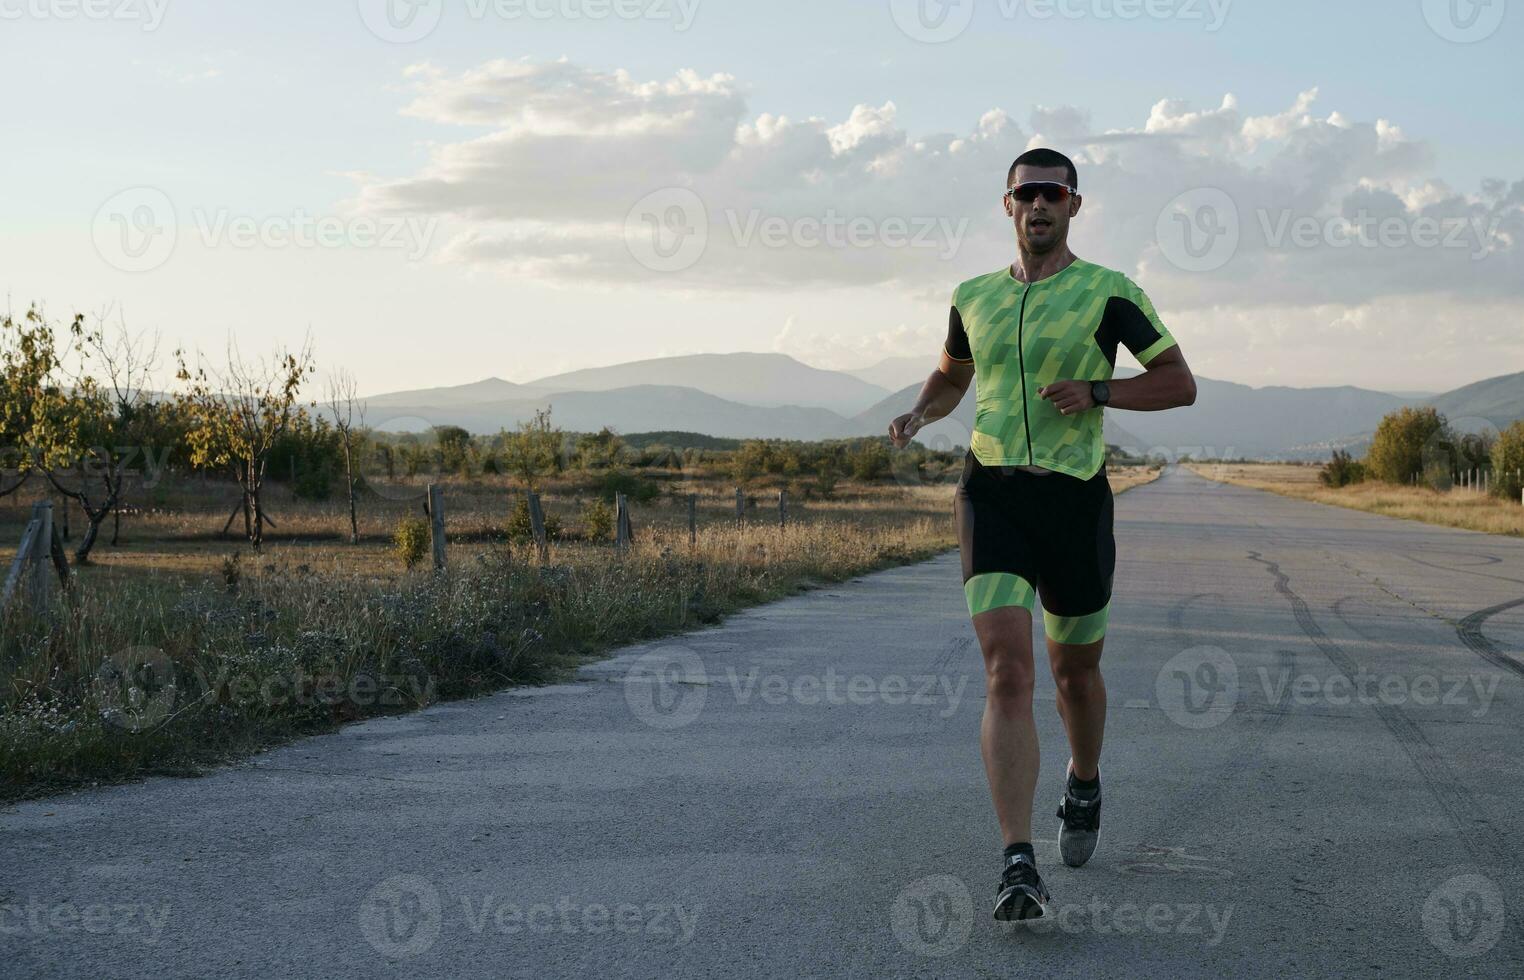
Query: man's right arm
x: 943, y: 390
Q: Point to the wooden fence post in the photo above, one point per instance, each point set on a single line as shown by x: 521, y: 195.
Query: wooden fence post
x: 692, y: 519
x: 537, y: 526
x: 42, y: 553
x: 437, y: 524
x: 782, y: 508
x: 23, y: 560
x: 622, y: 530
x: 740, y: 506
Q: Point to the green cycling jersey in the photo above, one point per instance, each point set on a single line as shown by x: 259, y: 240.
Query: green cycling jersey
x: 1021, y: 337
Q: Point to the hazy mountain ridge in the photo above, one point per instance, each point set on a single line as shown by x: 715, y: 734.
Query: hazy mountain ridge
x: 1228, y: 419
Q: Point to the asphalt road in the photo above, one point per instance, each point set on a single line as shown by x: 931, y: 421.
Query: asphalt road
x: 1312, y: 768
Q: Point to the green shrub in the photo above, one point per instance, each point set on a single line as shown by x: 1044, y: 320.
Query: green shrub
x: 1342, y: 470
x: 598, y: 521
x: 411, y: 540
x: 619, y: 481
x: 521, y: 528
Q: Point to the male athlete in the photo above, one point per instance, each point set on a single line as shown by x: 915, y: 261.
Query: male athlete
x: 1033, y: 506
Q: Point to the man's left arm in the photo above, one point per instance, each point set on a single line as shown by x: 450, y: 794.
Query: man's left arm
x: 1166, y: 382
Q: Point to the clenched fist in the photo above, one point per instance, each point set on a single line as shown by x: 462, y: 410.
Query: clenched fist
x: 902, y: 428
x: 1069, y: 397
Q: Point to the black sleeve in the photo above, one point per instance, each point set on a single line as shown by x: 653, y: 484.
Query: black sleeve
x: 957, y: 339
x: 1125, y: 322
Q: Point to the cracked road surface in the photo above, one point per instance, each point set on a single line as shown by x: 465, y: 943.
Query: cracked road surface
x: 1313, y: 767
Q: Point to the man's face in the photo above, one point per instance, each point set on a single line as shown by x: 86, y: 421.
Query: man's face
x: 1042, y: 226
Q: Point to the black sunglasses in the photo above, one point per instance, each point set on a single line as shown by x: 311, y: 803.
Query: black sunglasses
x: 1050, y: 190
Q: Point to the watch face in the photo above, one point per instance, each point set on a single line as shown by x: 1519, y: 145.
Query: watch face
x: 1101, y: 392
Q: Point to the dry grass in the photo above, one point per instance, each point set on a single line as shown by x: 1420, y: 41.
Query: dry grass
x: 162, y: 661
x: 1455, y: 508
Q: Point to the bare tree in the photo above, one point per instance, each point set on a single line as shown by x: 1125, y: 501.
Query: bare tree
x: 240, y: 413
x: 345, y: 406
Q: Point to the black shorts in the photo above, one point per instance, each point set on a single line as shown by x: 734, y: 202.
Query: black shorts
x: 1025, y: 536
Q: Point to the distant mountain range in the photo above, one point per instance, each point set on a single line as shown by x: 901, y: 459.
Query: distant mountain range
x: 750, y: 395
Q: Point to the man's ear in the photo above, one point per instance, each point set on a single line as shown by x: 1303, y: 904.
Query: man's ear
x: 1074, y: 204
x: 1006, y: 200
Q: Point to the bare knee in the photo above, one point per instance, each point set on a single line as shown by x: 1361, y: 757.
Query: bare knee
x: 1008, y: 680
x: 1077, y: 682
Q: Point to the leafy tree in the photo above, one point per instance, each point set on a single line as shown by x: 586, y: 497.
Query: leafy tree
x: 1401, y: 442
x: 600, y: 450
x: 1508, y: 462
x: 534, y: 450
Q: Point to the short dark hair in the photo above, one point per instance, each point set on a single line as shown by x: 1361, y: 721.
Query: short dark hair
x: 1044, y: 157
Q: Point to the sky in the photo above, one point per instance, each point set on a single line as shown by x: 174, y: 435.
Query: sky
x: 440, y: 191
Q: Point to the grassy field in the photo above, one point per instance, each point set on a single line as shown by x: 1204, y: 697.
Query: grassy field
x: 1455, y: 508
x: 170, y: 654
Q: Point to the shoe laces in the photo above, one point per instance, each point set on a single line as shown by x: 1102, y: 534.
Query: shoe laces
x: 1019, y: 873
x: 1079, y: 814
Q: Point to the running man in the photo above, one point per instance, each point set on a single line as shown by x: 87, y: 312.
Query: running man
x: 1033, y: 506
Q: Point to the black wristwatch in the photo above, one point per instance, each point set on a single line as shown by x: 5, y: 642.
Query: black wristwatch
x: 1100, y: 391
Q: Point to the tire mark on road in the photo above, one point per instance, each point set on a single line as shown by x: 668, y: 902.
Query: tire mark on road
x: 1481, y: 839
x: 1469, y: 627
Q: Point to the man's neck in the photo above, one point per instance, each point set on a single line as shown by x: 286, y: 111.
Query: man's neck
x: 1032, y: 267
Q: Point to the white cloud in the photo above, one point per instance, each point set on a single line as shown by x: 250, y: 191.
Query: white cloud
x: 544, y: 187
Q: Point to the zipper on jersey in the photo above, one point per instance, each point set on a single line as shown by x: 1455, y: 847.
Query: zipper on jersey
x: 1021, y: 365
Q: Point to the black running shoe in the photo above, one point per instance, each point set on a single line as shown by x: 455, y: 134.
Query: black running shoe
x: 1021, y: 895
x: 1081, y: 827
